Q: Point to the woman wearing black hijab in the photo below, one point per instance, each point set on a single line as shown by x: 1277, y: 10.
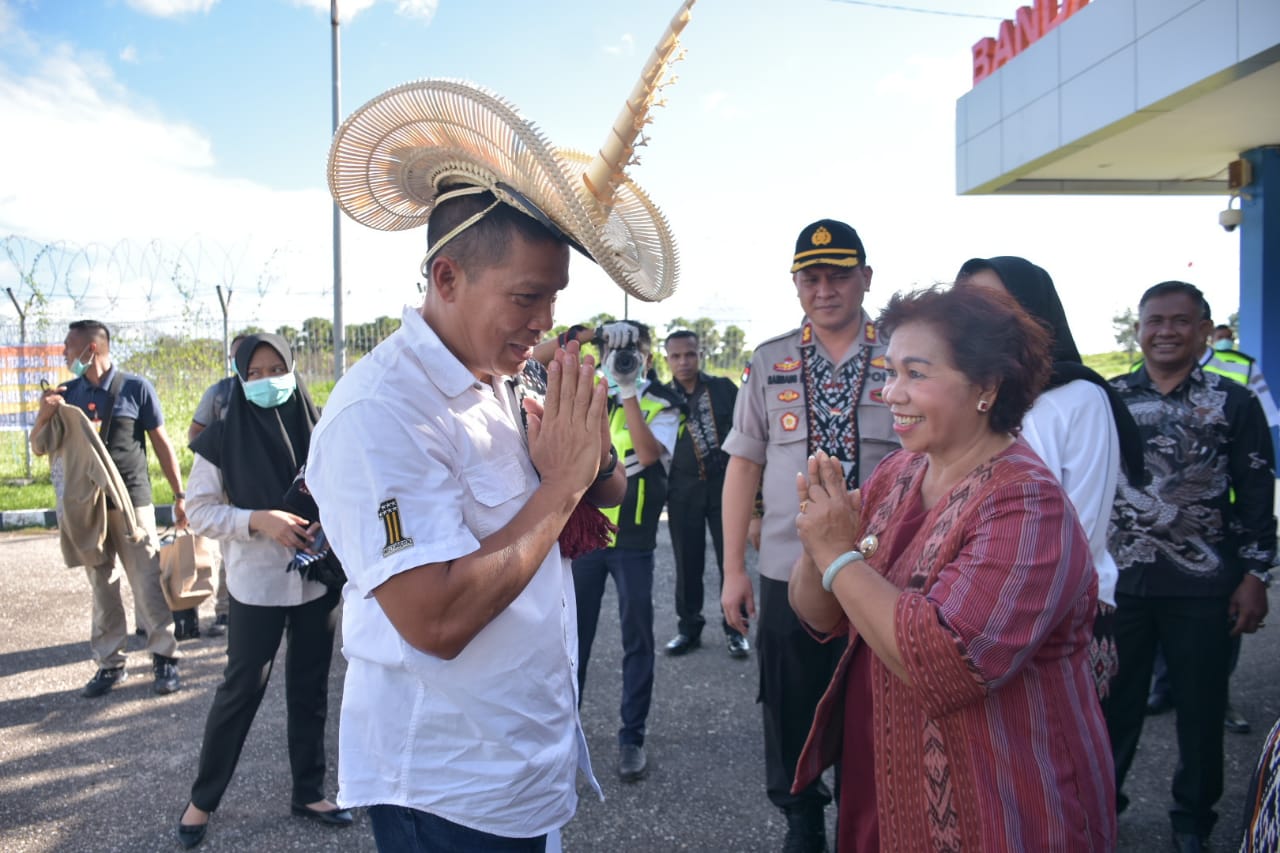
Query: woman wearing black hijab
x: 1079, y: 427
x: 244, y: 465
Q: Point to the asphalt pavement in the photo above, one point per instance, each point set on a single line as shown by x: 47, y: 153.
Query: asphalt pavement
x: 113, y: 774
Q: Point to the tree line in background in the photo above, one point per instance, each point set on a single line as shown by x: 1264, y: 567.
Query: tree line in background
x: 724, y: 347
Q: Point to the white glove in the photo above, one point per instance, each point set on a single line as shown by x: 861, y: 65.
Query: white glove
x: 625, y: 383
x: 618, y: 335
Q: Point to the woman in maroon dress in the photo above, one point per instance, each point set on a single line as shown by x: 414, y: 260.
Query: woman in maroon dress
x: 963, y: 714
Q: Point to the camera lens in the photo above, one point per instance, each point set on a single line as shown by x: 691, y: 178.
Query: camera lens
x: 626, y: 361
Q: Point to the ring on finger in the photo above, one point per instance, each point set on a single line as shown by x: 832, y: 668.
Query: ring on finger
x: 803, y: 506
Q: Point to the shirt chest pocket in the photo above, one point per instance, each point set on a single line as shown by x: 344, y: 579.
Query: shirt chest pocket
x: 784, y: 408
x: 498, y: 488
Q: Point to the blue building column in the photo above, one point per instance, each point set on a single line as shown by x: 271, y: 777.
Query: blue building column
x: 1260, y: 264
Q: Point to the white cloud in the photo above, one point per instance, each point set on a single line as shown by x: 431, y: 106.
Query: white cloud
x: 129, y: 54
x: 625, y: 46
x: 131, y: 201
x: 171, y: 8
x: 423, y: 10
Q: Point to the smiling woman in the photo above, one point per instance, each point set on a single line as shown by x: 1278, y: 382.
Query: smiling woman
x: 964, y: 584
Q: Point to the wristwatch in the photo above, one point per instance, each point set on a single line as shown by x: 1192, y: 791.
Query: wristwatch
x: 179, y: 496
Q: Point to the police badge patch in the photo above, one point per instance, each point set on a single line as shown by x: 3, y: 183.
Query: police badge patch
x: 389, y: 512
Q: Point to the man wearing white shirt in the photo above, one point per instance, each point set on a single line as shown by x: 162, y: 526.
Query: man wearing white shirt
x: 445, y: 496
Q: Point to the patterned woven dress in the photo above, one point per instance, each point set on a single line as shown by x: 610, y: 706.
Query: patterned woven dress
x: 998, y: 742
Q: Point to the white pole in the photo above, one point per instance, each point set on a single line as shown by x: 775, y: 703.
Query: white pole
x: 339, y: 329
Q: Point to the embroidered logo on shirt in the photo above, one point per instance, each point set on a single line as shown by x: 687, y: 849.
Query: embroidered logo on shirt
x: 746, y: 374
x: 878, y: 361
x: 389, y: 512
x: 790, y: 421
x: 790, y: 395
x: 787, y: 365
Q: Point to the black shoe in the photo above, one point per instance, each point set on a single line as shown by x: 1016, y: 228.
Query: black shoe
x: 738, y: 646
x: 103, y: 681
x: 1234, y: 722
x: 806, y: 831
x: 337, y: 818
x: 632, y: 763
x: 189, y: 834
x: 217, y: 627
x: 681, y: 644
x: 1159, y: 703
x: 1188, y: 842
x: 185, y: 625
x: 166, y: 670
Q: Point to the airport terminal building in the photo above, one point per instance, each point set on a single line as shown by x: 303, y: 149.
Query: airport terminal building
x: 1144, y: 97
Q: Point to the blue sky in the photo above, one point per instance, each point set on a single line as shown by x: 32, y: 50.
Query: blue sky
x: 205, y: 125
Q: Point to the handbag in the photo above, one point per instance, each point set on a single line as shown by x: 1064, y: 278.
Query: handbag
x: 186, y: 569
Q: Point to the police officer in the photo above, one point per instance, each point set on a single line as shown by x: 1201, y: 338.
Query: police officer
x: 817, y: 387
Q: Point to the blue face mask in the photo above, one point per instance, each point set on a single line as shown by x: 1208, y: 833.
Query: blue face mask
x: 79, y: 367
x: 270, y: 391
x: 1222, y: 344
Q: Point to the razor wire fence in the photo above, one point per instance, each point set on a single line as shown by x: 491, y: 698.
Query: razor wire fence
x: 171, y: 310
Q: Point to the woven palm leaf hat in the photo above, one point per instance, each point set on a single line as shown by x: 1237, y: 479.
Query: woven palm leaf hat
x: 410, y: 148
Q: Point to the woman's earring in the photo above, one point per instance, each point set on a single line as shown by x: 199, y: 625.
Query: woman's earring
x: 984, y: 406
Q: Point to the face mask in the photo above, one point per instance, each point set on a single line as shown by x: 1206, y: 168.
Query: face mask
x: 1222, y: 344
x: 270, y: 391
x: 79, y: 367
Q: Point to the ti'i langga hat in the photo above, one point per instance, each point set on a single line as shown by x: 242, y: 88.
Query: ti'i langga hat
x: 828, y: 241
x: 410, y: 148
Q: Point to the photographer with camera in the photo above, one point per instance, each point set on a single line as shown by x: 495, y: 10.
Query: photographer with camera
x: 643, y: 420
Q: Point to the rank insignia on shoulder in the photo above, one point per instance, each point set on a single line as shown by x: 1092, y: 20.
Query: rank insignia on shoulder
x: 872, y: 334
x: 389, y: 512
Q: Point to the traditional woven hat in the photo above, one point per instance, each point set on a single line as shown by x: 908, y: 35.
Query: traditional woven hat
x: 414, y: 146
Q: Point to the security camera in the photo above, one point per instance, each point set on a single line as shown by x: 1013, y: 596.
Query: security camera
x: 1230, y: 219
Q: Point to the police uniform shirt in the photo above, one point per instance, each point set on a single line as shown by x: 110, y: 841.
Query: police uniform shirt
x: 771, y: 428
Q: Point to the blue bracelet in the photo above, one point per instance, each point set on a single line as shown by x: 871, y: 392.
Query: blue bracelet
x: 829, y: 576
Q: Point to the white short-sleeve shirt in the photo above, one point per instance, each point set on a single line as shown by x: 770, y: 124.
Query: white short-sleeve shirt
x: 1073, y: 431
x: 414, y: 462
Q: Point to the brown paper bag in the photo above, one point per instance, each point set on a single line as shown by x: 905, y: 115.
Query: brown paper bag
x: 186, y: 570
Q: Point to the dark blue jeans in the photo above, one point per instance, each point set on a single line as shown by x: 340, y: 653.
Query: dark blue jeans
x: 632, y: 573
x: 398, y: 829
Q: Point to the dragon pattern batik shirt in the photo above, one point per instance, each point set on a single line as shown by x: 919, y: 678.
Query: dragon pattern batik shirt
x: 1206, y: 516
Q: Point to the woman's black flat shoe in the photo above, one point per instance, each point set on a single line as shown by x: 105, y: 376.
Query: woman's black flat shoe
x: 190, y: 836
x: 333, y: 817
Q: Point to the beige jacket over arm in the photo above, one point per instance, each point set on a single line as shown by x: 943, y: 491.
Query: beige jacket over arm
x: 88, y: 480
